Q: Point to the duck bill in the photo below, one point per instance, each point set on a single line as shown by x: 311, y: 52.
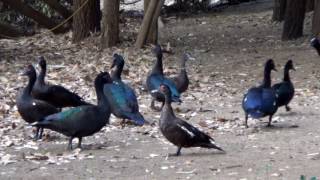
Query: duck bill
x: 113, y: 64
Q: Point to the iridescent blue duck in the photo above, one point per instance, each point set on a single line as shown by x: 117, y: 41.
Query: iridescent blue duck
x: 122, y: 98
x: 261, y: 101
x: 156, y: 78
x: 81, y: 121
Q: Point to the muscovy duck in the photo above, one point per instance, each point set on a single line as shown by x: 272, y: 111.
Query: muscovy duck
x: 285, y: 89
x: 156, y: 78
x: 81, y: 121
x: 121, y: 97
x: 54, y: 94
x: 178, y: 131
x: 181, y: 80
x: 261, y: 101
x: 316, y: 44
x: 30, y: 109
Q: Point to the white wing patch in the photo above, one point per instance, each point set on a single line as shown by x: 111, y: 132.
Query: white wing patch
x: 212, y: 142
x: 186, y: 130
x: 274, y: 103
x: 34, y: 104
x: 154, y: 91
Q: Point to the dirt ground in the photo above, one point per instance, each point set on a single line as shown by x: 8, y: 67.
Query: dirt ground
x: 230, y: 48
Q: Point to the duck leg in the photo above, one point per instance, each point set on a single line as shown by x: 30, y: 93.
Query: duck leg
x: 246, y: 120
x: 288, y: 108
x: 70, y: 144
x: 79, y: 143
x: 178, y: 151
x: 37, y: 135
x: 270, y: 120
x: 40, y: 133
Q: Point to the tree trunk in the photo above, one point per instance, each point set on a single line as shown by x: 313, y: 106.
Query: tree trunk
x: 7, y: 31
x: 279, y: 9
x: 86, y: 20
x: 28, y: 11
x: 152, y: 36
x: 316, y: 18
x: 310, y: 5
x: 54, y: 4
x: 293, y: 22
x: 110, y: 32
x: 150, y: 17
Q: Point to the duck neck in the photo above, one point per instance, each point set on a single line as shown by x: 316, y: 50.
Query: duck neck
x: 286, y: 76
x: 116, y: 74
x: 167, y: 106
x: 42, y: 75
x: 102, y: 101
x: 157, y: 68
x: 267, y: 78
x: 27, y: 90
x: 183, y: 65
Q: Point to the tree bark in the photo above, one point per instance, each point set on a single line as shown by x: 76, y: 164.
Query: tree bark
x: 152, y: 36
x: 54, y: 4
x: 86, y: 20
x: 279, y: 9
x: 150, y: 17
x: 310, y: 5
x: 7, y: 31
x: 316, y: 18
x: 28, y: 11
x: 110, y: 31
x: 294, y: 18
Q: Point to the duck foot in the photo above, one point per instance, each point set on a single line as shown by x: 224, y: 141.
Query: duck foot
x: 270, y: 125
x: 69, y: 148
x: 246, y: 121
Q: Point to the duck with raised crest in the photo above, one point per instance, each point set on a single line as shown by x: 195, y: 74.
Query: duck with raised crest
x: 84, y: 120
x: 178, y: 131
x: 54, y: 94
x: 122, y: 98
x: 285, y: 89
x: 156, y: 78
x: 30, y: 109
x: 261, y: 101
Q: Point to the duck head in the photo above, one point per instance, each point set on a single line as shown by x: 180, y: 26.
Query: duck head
x: 117, y: 60
x: 42, y: 62
x: 289, y: 65
x: 29, y: 71
x: 270, y: 65
x: 157, y: 51
x: 103, y: 78
x: 165, y: 90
